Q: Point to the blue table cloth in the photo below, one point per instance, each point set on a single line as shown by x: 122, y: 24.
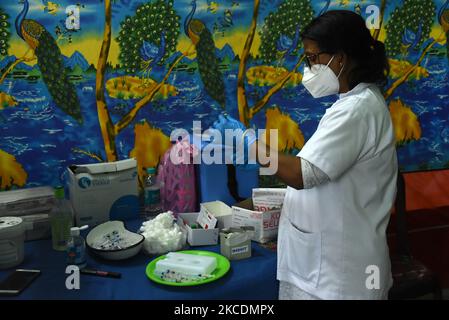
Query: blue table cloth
x: 253, y: 278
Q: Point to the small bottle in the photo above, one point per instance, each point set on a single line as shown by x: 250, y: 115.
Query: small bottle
x: 76, y: 248
x: 61, y: 220
x: 152, y: 194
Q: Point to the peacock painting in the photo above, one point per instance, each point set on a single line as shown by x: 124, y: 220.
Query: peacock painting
x: 50, y: 62
x: 152, y: 55
x: 208, y: 63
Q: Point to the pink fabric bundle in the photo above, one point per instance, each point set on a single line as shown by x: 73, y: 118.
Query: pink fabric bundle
x: 176, y: 175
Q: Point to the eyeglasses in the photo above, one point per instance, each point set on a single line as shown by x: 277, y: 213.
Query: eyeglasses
x: 313, y: 58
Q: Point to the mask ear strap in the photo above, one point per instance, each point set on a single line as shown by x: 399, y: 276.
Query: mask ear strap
x: 330, y: 61
x: 339, y: 74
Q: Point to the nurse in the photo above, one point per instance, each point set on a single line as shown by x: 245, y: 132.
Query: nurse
x: 341, y: 186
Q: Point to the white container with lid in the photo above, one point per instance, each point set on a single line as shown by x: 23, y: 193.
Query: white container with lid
x: 12, y: 237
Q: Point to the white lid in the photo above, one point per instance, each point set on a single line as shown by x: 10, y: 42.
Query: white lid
x: 10, y: 225
x: 106, y: 167
x: 74, y: 231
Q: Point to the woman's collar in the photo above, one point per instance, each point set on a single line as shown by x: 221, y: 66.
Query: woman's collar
x: 357, y: 89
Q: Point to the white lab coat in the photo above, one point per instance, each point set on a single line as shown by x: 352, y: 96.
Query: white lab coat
x: 330, y: 236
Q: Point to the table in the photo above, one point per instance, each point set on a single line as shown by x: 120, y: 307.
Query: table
x: 253, y: 278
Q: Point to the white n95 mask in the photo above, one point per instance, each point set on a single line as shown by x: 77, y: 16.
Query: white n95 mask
x: 320, y: 80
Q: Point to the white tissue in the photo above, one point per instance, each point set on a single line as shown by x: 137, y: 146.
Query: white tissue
x: 162, y: 234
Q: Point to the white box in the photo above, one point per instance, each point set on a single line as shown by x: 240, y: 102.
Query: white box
x: 219, y: 210
x: 197, y: 237
x: 265, y: 223
x: 33, y: 205
x: 104, y: 191
x: 235, y: 243
x: 265, y: 199
x: 28, y: 201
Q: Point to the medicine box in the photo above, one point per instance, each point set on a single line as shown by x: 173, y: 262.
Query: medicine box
x: 197, y: 236
x: 265, y: 223
x: 235, y: 243
x: 219, y: 210
x: 104, y: 191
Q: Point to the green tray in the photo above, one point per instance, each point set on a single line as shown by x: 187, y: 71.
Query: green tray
x: 223, y: 266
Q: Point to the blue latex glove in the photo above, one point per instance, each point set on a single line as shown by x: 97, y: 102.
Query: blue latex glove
x: 227, y: 122
x: 241, y: 135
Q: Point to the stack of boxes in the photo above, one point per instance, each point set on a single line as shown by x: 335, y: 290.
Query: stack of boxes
x: 256, y: 219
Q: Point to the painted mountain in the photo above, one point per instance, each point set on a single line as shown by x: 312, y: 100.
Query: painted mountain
x: 76, y: 60
x: 5, y: 62
x: 225, y: 54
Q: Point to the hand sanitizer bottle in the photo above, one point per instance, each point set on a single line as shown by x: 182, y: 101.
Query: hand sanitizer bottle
x: 76, y: 248
x: 152, y: 194
x: 61, y: 219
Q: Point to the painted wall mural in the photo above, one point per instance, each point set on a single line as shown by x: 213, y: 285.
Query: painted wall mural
x: 100, y: 80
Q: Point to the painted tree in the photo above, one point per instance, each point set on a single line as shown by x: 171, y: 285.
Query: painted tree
x: 5, y: 34
x: 283, y: 24
x: 141, y: 36
x: 160, y: 26
x: 383, y: 6
x: 290, y: 15
x: 414, y: 17
x: 12, y: 174
x: 409, y: 27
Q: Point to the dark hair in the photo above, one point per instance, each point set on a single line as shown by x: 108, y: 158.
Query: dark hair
x: 342, y: 31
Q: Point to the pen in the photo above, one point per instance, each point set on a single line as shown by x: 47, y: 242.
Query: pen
x: 101, y: 273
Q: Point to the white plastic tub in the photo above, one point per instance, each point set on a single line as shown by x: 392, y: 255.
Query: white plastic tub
x: 12, y: 238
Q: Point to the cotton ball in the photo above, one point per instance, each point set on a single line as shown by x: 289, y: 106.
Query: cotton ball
x: 162, y: 234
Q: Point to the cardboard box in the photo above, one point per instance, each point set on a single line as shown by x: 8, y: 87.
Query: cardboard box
x: 217, y: 209
x: 104, y: 191
x: 265, y: 199
x: 235, y: 243
x: 199, y: 236
x: 265, y: 223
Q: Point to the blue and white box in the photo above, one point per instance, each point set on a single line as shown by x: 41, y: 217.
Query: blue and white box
x: 104, y: 191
